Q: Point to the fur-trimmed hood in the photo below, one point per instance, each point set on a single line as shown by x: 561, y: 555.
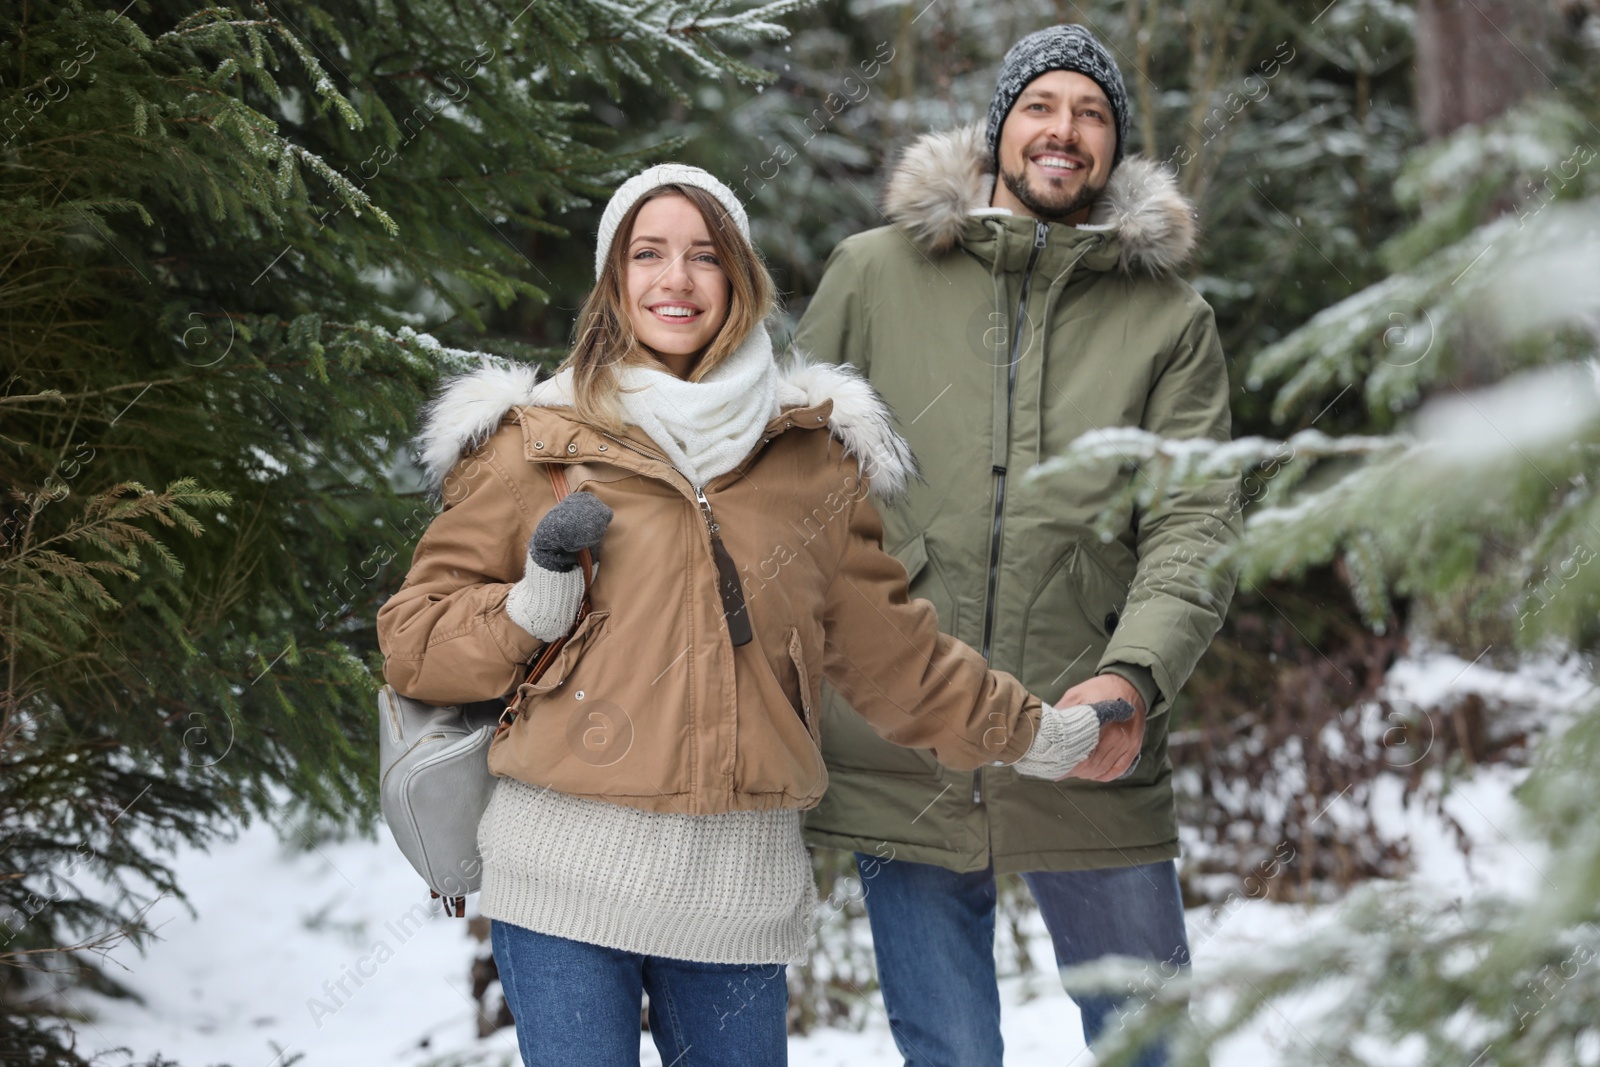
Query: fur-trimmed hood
x: 943, y: 177
x: 469, y: 407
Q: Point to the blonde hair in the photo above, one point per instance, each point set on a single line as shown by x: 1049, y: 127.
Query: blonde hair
x: 604, y: 336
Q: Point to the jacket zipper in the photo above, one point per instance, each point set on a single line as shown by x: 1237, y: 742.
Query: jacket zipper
x: 735, y: 611
x: 1039, y: 234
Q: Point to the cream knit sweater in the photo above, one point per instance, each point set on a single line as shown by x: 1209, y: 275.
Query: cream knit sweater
x: 729, y: 888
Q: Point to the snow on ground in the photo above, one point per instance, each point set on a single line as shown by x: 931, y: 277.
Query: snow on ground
x: 332, y: 955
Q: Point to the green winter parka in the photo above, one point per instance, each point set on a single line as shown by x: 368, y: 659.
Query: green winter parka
x: 998, y: 340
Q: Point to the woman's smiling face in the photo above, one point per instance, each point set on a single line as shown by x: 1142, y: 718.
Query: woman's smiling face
x: 675, y: 290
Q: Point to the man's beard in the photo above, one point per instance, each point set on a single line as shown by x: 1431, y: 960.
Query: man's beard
x: 1054, y: 209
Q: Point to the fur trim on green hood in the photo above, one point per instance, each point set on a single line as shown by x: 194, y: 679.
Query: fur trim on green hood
x: 942, y: 178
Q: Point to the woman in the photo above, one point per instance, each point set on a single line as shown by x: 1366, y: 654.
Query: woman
x: 645, y: 831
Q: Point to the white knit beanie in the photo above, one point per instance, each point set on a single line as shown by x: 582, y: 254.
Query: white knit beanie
x: 629, y: 192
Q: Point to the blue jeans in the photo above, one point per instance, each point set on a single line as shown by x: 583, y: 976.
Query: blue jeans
x: 933, y: 935
x: 577, y: 1004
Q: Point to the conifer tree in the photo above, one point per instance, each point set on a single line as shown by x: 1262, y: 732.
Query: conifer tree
x: 1477, y: 354
x: 239, y: 245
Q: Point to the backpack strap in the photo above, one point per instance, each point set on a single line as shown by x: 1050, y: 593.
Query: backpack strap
x: 552, y: 649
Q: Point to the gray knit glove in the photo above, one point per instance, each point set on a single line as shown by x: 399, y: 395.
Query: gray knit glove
x: 1067, y: 736
x: 547, y: 599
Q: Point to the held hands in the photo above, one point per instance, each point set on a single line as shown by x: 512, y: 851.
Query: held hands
x: 546, y: 601
x: 1095, y: 732
x: 1120, y: 741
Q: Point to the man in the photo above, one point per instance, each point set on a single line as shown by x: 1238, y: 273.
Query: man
x: 1025, y: 295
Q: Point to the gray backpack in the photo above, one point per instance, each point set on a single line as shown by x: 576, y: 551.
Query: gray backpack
x: 435, y: 787
x: 434, y: 765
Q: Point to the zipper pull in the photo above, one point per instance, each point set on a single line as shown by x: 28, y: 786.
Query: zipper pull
x: 705, y: 510
x: 1040, y: 232
x: 734, y: 608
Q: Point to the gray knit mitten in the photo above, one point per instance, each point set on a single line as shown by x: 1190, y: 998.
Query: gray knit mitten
x: 576, y: 523
x: 548, y: 597
x: 1067, y: 736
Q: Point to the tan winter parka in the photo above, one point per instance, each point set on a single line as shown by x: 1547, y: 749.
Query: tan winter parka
x: 650, y: 705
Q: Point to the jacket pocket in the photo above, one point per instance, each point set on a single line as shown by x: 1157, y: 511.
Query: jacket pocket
x: 528, y: 749
x: 925, y: 580
x: 1115, y: 580
x: 913, y: 556
x: 588, y: 633
x: 775, y: 738
x: 807, y: 708
x: 1069, y: 620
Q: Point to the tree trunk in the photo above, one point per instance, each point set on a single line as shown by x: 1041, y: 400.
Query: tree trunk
x: 1476, y: 58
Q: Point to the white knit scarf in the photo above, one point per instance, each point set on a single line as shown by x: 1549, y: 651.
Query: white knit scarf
x: 708, y: 427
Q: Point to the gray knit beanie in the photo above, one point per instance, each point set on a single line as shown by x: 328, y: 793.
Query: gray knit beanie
x: 1069, y: 47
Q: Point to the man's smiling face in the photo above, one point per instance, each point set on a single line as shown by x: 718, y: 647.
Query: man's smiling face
x: 1056, y: 148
